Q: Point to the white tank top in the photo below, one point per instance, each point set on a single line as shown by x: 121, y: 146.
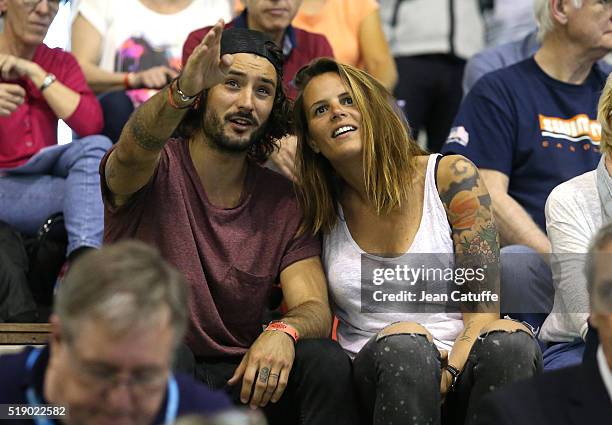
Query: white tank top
x: 342, y: 260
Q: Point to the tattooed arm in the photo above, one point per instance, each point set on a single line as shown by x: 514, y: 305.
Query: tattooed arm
x: 132, y: 163
x: 476, y: 245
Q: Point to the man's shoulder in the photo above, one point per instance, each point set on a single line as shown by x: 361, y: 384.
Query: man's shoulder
x: 12, y: 375
x: 579, y: 187
x: 575, y: 196
x: 508, y: 76
x: 195, y: 397
x: 311, y: 45
x: 547, y: 398
x: 55, y: 55
x: 307, y: 37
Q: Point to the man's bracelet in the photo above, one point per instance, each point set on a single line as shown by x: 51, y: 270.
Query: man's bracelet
x: 185, y: 100
x: 283, y: 327
x: 126, y: 80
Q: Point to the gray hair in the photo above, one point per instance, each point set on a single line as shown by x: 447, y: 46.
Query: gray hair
x: 601, y: 240
x: 543, y: 14
x: 122, y: 285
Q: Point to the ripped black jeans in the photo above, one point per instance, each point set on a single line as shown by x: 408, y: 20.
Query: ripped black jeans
x: 398, y: 377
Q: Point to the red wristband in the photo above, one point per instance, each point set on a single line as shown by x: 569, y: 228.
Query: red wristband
x: 126, y: 80
x: 283, y: 327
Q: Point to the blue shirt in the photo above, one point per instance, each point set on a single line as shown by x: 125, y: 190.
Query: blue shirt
x: 16, y: 378
x: 538, y: 131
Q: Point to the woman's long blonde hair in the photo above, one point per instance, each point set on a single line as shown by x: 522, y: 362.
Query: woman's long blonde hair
x: 388, y: 149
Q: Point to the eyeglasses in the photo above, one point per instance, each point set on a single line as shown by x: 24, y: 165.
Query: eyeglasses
x: 101, y: 378
x: 33, y: 4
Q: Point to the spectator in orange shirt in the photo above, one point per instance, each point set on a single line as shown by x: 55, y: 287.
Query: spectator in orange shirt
x: 354, y: 30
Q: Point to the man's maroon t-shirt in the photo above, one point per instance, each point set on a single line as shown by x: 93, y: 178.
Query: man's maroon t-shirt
x: 230, y: 257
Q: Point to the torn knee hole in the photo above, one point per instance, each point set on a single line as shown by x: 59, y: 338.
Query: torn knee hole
x: 485, y: 334
x: 382, y: 334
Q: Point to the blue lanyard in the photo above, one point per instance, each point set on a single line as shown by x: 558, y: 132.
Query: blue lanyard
x: 171, y: 405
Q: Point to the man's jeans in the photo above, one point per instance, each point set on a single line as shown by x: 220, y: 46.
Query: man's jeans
x: 527, y: 289
x: 319, y: 390
x: 62, y: 178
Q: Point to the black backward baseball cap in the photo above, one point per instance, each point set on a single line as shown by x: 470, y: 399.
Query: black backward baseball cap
x: 244, y: 40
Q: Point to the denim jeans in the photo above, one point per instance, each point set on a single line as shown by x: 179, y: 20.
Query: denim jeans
x: 563, y: 354
x: 398, y: 376
x: 527, y: 289
x: 61, y: 178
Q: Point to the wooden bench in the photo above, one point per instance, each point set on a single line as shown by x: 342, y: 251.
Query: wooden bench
x: 24, y: 333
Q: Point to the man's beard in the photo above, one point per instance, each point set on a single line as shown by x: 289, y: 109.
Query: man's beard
x: 213, y: 131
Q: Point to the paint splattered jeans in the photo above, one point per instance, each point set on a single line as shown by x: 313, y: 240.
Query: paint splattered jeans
x: 398, y: 377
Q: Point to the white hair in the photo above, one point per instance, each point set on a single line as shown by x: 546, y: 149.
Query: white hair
x: 543, y: 13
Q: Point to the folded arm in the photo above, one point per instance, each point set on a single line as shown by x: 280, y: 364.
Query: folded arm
x: 514, y: 223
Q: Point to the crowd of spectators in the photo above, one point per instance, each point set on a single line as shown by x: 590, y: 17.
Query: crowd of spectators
x: 225, y: 151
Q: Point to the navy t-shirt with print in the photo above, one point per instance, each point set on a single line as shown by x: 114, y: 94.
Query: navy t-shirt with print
x: 538, y: 131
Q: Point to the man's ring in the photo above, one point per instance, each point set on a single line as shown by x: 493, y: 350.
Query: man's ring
x: 274, y: 374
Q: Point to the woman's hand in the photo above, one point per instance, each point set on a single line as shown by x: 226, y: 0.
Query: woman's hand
x: 11, y: 97
x: 445, y: 382
x: 445, y: 376
x: 13, y: 68
x: 152, y: 78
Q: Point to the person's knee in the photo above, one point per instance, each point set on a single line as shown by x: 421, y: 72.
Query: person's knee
x: 90, y: 147
x: 513, y: 350
x: 99, y: 144
x: 505, y: 325
x: 405, y: 328
x: 407, y: 357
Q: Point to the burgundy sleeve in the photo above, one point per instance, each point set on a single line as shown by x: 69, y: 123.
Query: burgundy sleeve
x: 300, y: 248
x: 193, y: 39
x: 87, y: 118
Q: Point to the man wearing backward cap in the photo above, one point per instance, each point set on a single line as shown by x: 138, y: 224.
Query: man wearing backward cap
x: 232, y: 228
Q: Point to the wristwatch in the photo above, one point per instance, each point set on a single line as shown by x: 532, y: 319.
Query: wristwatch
x: 49, y: 79
x: 455, y: 374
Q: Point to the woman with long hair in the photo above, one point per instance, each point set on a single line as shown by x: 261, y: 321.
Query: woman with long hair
x: 411, y: 254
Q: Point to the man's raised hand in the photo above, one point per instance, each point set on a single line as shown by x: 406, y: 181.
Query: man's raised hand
x: 205, y: 67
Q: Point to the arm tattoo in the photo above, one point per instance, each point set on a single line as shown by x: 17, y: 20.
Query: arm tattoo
x: 464, y: 335
x: 142, y: 137
x: 469, y: 210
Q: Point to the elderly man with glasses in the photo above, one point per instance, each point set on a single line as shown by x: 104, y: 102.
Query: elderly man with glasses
x: 119, y: 316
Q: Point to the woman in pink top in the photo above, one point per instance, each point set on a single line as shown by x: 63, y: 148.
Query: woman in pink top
x: 354, y: 30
